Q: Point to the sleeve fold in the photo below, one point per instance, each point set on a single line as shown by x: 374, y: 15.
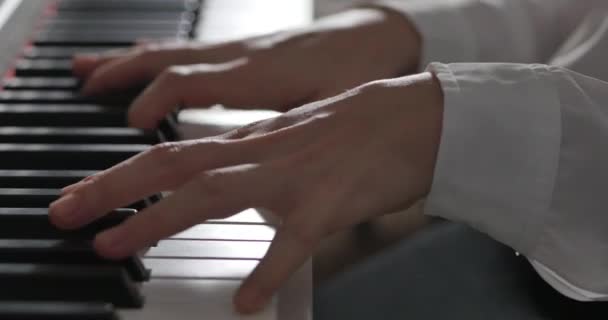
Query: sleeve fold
x: 499, y: 150
x: 523, y: 158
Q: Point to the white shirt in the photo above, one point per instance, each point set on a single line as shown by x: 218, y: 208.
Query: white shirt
x: 524, y: 148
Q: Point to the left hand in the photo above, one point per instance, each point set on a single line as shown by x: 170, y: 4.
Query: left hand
x: 277, y: 71
x: 320, y: 168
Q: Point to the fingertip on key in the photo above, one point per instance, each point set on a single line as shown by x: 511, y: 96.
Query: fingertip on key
x: 64, y: 211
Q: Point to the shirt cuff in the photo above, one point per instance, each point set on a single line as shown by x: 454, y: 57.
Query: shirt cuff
x: 499, y: 151
x: 446, y: 34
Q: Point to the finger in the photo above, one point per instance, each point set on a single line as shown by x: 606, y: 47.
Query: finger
x: 163, y: 167
x: 199, y: 85
x: 290, y: 249
x: 208, y: 195
x: 84, y: 64
x: 77, y: 185
x: 133, y: 69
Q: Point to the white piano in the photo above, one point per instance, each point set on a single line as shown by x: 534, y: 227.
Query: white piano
x: 196, y: 273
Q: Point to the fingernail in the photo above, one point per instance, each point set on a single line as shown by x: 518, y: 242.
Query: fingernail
x: 66, y: 207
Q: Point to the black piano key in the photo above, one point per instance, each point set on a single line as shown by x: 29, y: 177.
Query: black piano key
x: 167, y: 128
x: 34, y: 223
x: 62, y: 97
x: 81, y: 115
x: 20, y: 198
x: 65, y: 156
x: 154, y: 199
x: 42, y: 83
x: 125, y: 15
x: 33, y: 96
x: 43, y: 68
x: 112, y: 25
x: 108, y: 34
x: 127, y: 42
x: 64, y: 52
x: 44, y: 97
x: 20, y: 310
x: 41, y: 179
x: 63, y: 135
x: 68, y: 252
x: 69, y: 24
x: 103, y: 39
x: 47, y: 282
x: 42, y: 197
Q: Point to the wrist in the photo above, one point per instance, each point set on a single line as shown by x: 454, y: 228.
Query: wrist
x: 415, y: 108
x: 388, y: 38
x: 405, y: 38
x: 400, y: 36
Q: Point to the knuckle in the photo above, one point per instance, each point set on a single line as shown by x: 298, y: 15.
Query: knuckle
x: 176, y: 73
x: 161, y: 46
x: 245, y: 131
x: 150, y: 47
x: 274, y: 124
x: 143, y: 54
x: 97, y: 189
x: 262, y: 127
x: 171, y: 164
x: 167, y: 155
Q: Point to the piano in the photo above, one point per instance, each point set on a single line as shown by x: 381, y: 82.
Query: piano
x: 50, y: 136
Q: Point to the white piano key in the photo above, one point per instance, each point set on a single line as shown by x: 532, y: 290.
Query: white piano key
x: 208, y: 249
x: 229, y: 19
x: 249, y: 216
x: 227, y: 232
x: 200, y: 269
x: 192, y: 300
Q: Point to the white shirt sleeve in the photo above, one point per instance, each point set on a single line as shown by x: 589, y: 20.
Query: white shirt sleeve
x: 523, y: 31
x: 524, y: 158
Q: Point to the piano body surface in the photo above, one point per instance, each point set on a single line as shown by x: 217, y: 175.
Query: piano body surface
x: 44, y: 146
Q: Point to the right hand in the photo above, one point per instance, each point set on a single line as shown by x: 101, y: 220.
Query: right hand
x: 320, y: 168
x: 277, y: 71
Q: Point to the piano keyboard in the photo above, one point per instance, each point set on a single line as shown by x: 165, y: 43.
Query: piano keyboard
x: 50, y: 136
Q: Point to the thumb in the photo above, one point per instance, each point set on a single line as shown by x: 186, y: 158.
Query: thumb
x: 290, y: 249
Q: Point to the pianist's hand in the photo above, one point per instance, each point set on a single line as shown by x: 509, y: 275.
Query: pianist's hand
x: 321, y: 167
x: 277, y: 71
